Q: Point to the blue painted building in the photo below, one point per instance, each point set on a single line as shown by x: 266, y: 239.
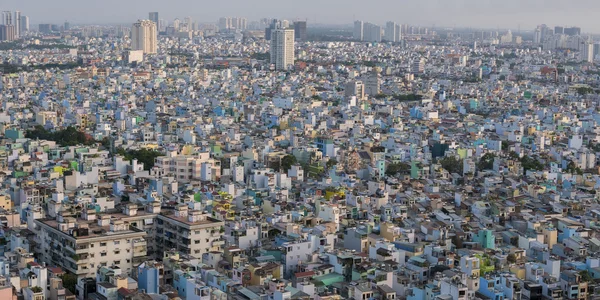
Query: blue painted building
x: 148, y: 277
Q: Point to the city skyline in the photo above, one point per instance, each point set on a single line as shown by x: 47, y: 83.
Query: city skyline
x: 459, y: 13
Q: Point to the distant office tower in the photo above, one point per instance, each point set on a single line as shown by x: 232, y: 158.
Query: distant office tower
x: 537, y: 36
x: 17, y: 23
x: 355, y: 88
x: 7, y: 33
x: 67, y: 26
x: 393, y: 32
x: 588, y: 52
x: 224, y: 24
x: 300, y: 30
x: 275, y: 24
x: 418, y: 66
x: 282, y: 48
x: 390, y: 32
x: 7, y: 18
x: 143, y: 36
x: 358, y: 30
x: 559, y: 30
x: 371, y: 32
x: 45, y: 28
x: 153, y: 16
x: 572, y: 31
x: 24, y: 23
x: 7, y: 29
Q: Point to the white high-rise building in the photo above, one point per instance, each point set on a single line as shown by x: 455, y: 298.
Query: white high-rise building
x: 282, y: 48
x: 358, y: 30
x: 24, y: 23
x: 143, y: 36
x: 537, y: 36
x: 391, y: 34
x: 372, y: 32
x: 17, y: 23
x: 588, y: 52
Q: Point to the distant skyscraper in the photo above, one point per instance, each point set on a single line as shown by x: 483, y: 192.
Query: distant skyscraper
x: 67, y: 26
x: 300, y: 30
x: 153, y: 16
x: 282, y: 48
x: 358, y: 33
x: 393, y: 32
x: 275, y: 24
x: 17, y: 24
x: 588, y: 52
x: 572, y: 31
x: 559, y: 30
x: 537, y: 36
x: 143, y: 36
x: 45, y: 28
x: 24, y: 23
x: 371, y: 32
x: 224, y: 24
x: 7, y: 29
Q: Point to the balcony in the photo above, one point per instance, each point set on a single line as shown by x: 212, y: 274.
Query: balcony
x: 217, y: 243
x: 82, y: 271
x: 82, y: 249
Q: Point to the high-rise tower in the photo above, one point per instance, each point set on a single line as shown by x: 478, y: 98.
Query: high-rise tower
x: 282, y: 48
x: 143, y: 36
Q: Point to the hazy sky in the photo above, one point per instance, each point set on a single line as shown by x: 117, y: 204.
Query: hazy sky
x: 483, y: 13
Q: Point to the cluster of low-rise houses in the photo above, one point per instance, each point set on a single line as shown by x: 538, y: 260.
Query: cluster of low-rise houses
x: 421, y: 170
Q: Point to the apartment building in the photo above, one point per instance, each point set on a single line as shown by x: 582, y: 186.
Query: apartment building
x: 192, y: 232
x: 83, y: 245
x: 184, y: 167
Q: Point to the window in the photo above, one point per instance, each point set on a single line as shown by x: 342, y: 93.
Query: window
x: 117, y: 262
x: 197, y: 242
x: 117, y: 252
x: 117, y: 242
x: 103, y: 254
x: 103, y: 244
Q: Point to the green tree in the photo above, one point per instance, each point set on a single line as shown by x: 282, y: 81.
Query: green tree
x: 70, y: 282
x: 393, y: 169
x: 377, y: 149
x: 287, y: 162
x: 585, y: 276
x: 331, y: 162
x: 145, y: 156
x: 511, y: 258
x: 584, y: 90
x: 451, y: 164
x: 573, y: 168
x: 486, y: 162
x: 529, y: 163
x: 69, y: 136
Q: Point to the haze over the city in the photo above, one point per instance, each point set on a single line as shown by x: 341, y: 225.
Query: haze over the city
x: 472, y: 13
